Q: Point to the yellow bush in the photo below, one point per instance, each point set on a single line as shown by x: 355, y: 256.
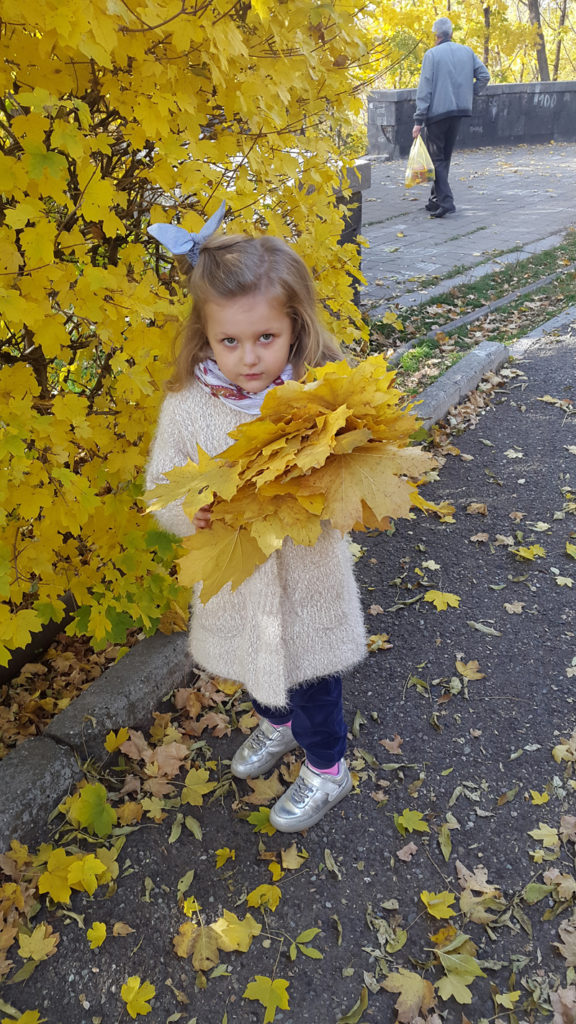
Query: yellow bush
x: 114, y: 114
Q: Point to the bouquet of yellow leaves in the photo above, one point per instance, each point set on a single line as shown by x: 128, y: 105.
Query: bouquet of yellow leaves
x: 332, y: 448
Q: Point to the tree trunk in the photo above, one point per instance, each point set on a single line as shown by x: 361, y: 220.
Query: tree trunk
x: 541, y: 56
x: 487, y: 34
x: 561, y: 23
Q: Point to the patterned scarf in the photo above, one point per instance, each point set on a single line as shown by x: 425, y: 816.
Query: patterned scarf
x: 211, y: 378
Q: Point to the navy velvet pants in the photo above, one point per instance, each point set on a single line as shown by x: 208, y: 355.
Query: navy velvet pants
x: 315, y: 710
x: 440, y: 138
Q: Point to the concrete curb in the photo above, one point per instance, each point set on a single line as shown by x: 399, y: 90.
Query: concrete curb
x: 436, y: 400
x: 39, y: 772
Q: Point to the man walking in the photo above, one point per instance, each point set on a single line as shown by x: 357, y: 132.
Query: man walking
x: 450, y: 77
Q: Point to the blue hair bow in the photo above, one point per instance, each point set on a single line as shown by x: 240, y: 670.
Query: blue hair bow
x: 185, y: 243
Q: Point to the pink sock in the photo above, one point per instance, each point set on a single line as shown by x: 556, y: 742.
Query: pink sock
x: 282, y: 725
x: 334, y: 770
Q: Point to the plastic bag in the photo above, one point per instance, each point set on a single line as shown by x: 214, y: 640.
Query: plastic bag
x: 420, y: 169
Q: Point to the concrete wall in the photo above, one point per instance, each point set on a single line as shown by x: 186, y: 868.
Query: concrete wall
x: 503, y: 115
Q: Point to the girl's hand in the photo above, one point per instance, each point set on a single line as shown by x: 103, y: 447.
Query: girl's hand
x: 202, y: 519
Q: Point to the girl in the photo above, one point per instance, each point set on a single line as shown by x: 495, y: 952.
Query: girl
x: 292, y: 627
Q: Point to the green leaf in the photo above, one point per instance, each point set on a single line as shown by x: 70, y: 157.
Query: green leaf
x: 307, y: 935
x: 314, y: 954
x: 534, y: 892
x: 353, y: 1015
x: 445, y: 841
x: 194, y: 827
x: 90, y: 809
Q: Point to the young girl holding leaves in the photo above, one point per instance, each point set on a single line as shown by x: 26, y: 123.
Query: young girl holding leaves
x: 289, y: 630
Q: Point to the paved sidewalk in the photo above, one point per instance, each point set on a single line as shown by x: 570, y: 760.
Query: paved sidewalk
x: 505, y: 198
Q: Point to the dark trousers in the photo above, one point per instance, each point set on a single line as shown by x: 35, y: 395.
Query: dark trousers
x: 315, y: 710
x: 440, y: 138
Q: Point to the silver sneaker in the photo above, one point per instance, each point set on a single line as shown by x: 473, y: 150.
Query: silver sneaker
x: 261, y: 751
x: 309, y: 798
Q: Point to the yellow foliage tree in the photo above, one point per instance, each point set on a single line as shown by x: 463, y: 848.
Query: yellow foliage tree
x: 112, y: 115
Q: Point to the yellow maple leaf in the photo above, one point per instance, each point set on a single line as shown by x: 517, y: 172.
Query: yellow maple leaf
x: 136, y: 995
x: 530, y: 553
x: 54, y: 880
x: 276, y: 871
x: 114, y: 740
x: 233, y: 933
x: 410, y: 821
x: 196, y: 786
x: 231, y: 557
x: 571, y: 549
x: 546, y: 835
x: 200, y: 942
x: 469, y: 669
x: 416, y: 993
x: 508, y: 1000
x: 271, y: 993
x: 28, y: 1017
x: 224, y: 854
x: 84, y: 872
x: 335, y: 446
x: 291, y: 858
x: 379, y: 642
x: 96, y: 934
x: 539, y: 798
x: 264, y: 895
x: 438, y: 903
x: 191, y: 906
x: 40, y: 944
x: 441, y: 600
x: 264, y: 790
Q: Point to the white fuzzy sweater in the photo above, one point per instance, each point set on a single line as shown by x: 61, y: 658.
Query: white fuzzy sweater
x: 298, y: 616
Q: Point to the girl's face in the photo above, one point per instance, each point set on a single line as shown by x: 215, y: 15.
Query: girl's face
x: 250, y: 339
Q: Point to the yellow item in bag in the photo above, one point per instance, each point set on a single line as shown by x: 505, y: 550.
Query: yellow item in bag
x: 420, y: 169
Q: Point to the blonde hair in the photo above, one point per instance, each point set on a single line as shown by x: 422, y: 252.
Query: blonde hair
x: 230, y: 266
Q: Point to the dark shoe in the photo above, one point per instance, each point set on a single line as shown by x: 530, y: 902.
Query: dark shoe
x: 431, y: 206
x: 441, y: 211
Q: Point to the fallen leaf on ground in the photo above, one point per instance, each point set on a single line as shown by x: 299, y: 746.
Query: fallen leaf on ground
x: 379, y: 642
x: 482, y: 628
x: 291, y: 859
x: 198, y: 942
x: 271, y: 993
x: 136, y: 996
x: 442, y: 600
x: 264, y: 790
x: 264, y: 895
x: 407, y: 852
x: 470, y: 670
x: 392, y: 746
x: 416, y: 994
x: 96, y: 934
x: 514, y: 607
x: 121, y: 928
x: 567, y: 945
x: 438, y: 904
x: 40, y: 944
x: 564, y: 1005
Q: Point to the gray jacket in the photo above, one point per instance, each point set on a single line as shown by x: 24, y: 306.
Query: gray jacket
x: 451, y: 76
